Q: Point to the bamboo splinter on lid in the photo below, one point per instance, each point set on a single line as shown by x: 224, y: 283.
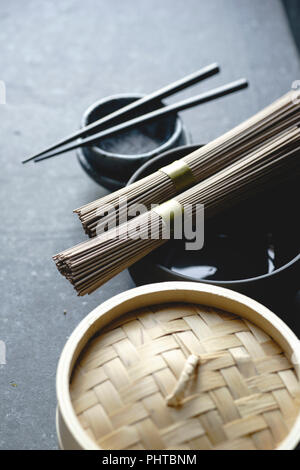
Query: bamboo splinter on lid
x: 180, y: 365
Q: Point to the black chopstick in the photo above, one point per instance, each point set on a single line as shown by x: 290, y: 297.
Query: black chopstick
x: 158, y: 113
x: 160, y: 94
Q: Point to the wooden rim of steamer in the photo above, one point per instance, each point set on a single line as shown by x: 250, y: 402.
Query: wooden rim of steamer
x: 70, y: 432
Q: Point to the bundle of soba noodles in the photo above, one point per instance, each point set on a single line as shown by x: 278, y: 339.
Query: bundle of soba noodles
x: 194, y: 168
x: 90, y: 264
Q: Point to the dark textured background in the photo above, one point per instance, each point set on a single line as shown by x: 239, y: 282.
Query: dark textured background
x: 56, y: 59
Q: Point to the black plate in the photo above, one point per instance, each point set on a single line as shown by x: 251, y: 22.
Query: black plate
x: 252, y: 248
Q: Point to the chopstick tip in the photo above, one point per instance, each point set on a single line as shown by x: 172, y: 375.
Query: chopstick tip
x: 26, y: 161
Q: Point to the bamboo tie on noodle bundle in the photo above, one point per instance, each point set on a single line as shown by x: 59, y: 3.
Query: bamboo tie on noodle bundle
x: 90, y: 264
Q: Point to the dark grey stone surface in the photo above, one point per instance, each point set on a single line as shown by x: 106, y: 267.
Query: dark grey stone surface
x: 293, y: 12
x: 56, y: 59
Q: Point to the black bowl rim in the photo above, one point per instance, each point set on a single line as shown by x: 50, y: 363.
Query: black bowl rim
x: 249, y: 280
x: 161, y: 148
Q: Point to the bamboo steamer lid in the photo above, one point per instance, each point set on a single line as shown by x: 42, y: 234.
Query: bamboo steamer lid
x: 179, y: 365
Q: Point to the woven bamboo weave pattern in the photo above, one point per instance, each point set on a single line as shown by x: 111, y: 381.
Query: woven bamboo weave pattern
x: 246, y: 398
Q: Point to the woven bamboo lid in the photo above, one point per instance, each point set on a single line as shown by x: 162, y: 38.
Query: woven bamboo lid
x: 184, y: 376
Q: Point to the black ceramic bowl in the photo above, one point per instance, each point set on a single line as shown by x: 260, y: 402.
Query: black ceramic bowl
x: 114, y: 159
x: 252, y: 248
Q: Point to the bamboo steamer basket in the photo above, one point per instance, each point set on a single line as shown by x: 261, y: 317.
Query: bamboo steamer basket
x: 122, y: 365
